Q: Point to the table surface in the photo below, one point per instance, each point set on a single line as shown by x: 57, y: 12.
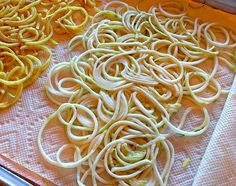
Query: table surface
x: 225, y: 5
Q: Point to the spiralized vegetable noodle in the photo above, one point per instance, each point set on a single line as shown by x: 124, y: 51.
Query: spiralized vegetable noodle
x: 117, y: 98
x: 26, y: 27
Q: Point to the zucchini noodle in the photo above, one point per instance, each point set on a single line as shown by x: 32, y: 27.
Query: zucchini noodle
x: 118, y: 98
x: 26, y: 27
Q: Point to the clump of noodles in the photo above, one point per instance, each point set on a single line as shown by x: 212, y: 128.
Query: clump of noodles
x: 23, y: 34
x: 117, y: 98
x: 25, y: 29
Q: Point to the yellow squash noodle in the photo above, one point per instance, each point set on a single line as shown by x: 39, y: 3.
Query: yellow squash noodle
x: 26, y: 27
x: 67, y: 16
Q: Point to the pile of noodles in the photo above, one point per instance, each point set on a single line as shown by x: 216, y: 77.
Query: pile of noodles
x: 25, y: 29
x: 117, y: 98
